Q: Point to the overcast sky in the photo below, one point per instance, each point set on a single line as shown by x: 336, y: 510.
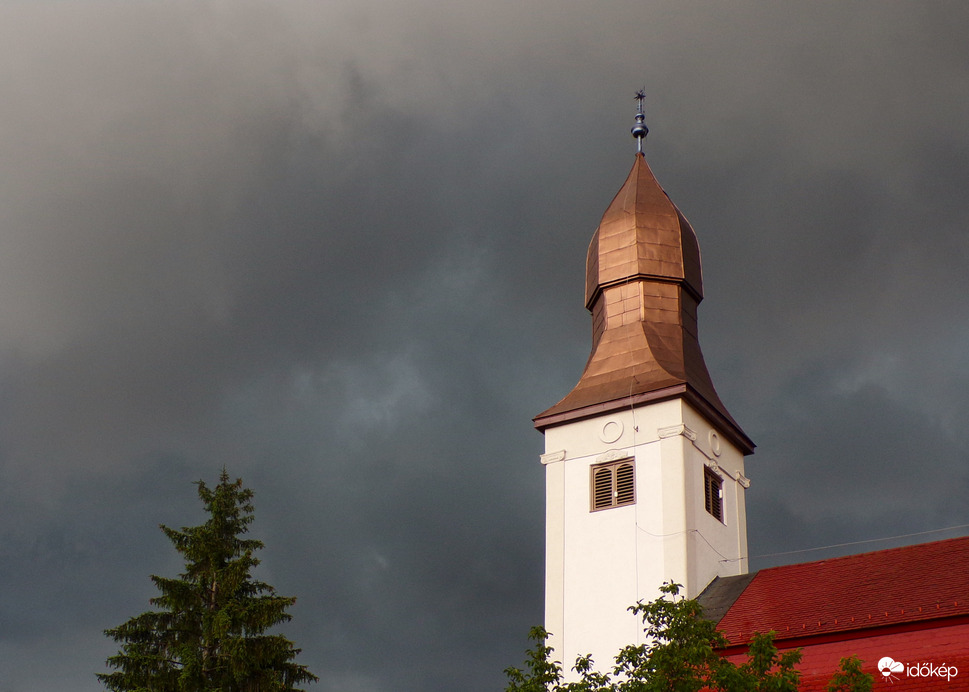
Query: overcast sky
x: 338, y: 248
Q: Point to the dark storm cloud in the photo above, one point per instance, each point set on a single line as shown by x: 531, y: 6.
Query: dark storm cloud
x: 339, y: 249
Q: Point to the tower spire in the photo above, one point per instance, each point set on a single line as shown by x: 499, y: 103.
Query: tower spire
x: 639, y: 129
x: 643, y: 285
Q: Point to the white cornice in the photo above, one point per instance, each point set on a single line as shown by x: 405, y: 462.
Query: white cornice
x: 674, y: 430
x: 552, y: 457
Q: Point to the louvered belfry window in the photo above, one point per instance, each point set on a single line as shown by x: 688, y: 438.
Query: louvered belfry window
x: 613, y: 484
x: 713, y: 493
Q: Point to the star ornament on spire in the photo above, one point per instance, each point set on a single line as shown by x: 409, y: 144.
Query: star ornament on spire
x: 640, y: 130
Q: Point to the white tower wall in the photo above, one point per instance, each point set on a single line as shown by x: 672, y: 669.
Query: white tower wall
x: 598, y: 563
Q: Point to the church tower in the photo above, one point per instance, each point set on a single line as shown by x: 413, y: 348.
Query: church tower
x: 644, y: 466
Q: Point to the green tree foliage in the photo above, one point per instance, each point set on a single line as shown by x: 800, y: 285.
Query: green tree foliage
x: 209, y: 632
x: 541, y: 672
x: 851, y: 678
x: 681, y: 656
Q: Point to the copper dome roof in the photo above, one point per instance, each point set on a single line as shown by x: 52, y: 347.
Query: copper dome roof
x: 643, y: 284
x: 642, y: 235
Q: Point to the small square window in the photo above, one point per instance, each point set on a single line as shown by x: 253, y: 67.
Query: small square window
x: 613, y: 484
x: 713, y: 493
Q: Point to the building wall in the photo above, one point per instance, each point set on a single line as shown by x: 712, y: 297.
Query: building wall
x: 942, y: 644
x: 598, y: 563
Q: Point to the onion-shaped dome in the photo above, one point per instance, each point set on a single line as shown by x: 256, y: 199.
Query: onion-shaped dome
x: 643, y: 285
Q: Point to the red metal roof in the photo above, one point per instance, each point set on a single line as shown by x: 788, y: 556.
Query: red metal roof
x: 878, y: 589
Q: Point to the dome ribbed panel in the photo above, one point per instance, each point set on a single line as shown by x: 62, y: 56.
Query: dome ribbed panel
x: 643, y: 284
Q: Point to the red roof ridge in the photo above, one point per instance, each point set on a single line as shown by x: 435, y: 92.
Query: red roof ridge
x: 882, y: 551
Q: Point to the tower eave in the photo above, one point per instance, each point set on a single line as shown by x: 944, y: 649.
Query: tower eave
x: 713, y: 412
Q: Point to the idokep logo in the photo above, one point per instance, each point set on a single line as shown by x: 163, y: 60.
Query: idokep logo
x: 888, y: 666
x: 891, y: 669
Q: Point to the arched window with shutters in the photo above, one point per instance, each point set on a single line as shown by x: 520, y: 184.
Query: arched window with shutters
x: 613, y: 484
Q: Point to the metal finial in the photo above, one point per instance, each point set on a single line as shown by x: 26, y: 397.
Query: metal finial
x: 639, y: 129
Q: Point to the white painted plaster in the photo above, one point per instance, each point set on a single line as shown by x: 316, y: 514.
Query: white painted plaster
x: 600, y: 563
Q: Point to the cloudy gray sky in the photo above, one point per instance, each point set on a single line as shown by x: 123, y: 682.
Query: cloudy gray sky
x: 338, y: 248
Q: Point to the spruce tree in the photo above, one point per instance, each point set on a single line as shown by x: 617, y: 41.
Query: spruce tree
x: 209, y: 630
